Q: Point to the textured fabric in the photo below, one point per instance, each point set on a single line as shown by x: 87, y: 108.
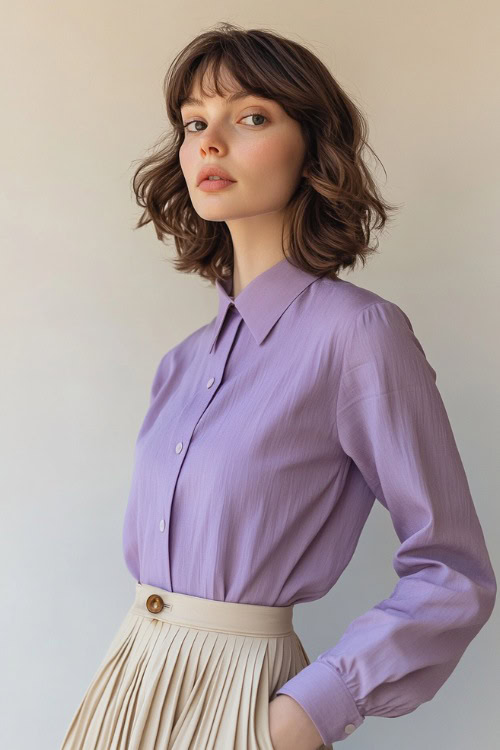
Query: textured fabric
x: 197, y: 674
x: 269, y: 434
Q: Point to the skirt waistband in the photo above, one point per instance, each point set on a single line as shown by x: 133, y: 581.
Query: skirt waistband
x: 211, y: 614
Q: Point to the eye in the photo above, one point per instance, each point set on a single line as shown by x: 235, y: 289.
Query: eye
x: 253, y: 114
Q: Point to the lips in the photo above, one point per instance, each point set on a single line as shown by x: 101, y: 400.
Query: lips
x: 206, y: 172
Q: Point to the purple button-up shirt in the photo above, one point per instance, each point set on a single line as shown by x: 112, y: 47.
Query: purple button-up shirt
x: 269, y: 434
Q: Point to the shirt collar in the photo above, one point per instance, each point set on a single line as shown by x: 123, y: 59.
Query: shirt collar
x: 264, y: 299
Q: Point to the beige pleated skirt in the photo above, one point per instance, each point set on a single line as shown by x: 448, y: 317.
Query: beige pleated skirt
x: 187, y: 673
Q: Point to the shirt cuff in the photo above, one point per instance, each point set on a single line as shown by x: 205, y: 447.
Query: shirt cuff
x: 324, y: 696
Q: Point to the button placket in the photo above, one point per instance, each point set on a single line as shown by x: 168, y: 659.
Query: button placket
x: 192, y: 413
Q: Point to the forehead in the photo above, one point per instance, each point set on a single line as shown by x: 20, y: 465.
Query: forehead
x: 230, y: 90
x: 198, y: 99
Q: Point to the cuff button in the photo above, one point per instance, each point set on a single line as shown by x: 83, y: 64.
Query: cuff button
x: 349, y: 728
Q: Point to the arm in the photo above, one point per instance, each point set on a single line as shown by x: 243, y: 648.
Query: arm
x: 392, y: 423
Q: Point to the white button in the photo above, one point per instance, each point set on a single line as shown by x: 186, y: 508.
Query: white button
x: 178, y: 447
x: 162, y: 525
x: 349, y: 728
x: 210, y: 382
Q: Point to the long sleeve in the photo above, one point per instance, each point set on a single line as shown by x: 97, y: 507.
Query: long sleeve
x: 392, y: 423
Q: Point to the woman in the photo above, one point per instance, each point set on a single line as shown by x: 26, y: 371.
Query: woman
x: 272, y: 429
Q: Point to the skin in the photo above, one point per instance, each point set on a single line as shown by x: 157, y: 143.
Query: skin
x: 266, y: 158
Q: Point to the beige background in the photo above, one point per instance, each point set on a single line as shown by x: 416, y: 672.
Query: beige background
x: 89, y: 307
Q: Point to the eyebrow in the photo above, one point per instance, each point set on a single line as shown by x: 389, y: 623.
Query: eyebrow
x: 231, y: 98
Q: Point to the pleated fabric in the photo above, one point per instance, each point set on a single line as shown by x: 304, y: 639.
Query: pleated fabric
x: 196, y: 675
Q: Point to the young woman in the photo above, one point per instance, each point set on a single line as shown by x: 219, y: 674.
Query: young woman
x: 272, y: 429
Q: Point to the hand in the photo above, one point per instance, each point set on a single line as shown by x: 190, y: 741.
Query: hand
x: 290, y: 726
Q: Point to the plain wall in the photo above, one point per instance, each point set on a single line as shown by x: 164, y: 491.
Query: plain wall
x: 90, y: 306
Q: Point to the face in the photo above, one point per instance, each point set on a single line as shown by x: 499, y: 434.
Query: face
x: 253, y: 139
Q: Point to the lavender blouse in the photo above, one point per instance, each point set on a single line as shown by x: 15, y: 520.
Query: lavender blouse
x: 269, y: 434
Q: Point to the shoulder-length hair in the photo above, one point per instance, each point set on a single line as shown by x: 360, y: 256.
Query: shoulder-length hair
x: 334, y: 209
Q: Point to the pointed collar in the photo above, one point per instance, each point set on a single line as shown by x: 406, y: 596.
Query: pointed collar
x: 264, y: 299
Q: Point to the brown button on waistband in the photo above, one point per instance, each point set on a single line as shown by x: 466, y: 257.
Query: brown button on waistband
x: 155, y: 603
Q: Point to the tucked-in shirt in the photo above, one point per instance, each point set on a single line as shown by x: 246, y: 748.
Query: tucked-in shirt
x: 270, y: 432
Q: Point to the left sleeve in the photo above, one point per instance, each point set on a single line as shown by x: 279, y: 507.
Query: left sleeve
x: 392, y: 423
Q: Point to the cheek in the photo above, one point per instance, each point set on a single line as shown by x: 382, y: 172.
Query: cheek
x: 277, y: 157
x: 187, y: 158
x: 182, y: 156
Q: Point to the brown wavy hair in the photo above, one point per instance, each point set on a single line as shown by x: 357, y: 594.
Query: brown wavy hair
x: 334, y: 209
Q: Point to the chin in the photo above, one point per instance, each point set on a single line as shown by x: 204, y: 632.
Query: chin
x: 212, y: 216
x: 215, y: 213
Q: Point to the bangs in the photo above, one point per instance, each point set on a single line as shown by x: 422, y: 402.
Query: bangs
x: 228, y: 70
